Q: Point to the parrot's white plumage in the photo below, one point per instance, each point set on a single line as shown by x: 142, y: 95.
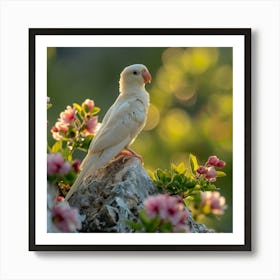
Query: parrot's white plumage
x: 121, y: 124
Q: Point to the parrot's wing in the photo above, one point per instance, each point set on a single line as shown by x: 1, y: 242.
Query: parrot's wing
x: 111, y: 110
x: 122, y: 124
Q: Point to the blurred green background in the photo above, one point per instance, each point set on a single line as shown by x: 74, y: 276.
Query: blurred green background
x: 191, y: 102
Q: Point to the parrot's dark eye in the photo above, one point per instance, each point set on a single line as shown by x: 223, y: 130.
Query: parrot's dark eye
x: 135, y: 72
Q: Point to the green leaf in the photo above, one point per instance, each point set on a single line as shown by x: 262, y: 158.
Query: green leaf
x: 167, y: 177
x: 166, y: 227
x: 69, y: 157
x: 173, y: 166
x: 181, y: 168
x: 133, y: 225
x: 211, y: 187
x: 70, y: 176
x: 190, y: 183
x: 188, y: 199
x: 56, y: 147
x: 150, y: 225
x: 49, y: 105
x: 144, y: 218
x: 153, y: 224
x: 221, y: 174
x: 84, y: 142
x: 178, y: 180
x: 77, y: 107
x: 160, y: 174
x: 151, y: 174
x: 95, y: 111
x: 66, y: 153
x: 193, y: 163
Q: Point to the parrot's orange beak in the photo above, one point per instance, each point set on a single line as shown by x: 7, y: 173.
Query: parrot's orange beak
x: 146, y: 76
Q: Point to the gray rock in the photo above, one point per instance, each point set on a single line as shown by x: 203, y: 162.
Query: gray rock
x: 115, y: 194
x: 197, y: 228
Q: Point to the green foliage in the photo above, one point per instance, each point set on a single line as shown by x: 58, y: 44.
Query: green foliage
x: 63, y: 148
x: 146, y: 224
x: 78, y: 108
x: 63, y: 181
x: 193, y: 163
x: 183, y: 181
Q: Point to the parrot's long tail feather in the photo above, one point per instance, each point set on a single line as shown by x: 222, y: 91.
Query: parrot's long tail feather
x: 89, y: 167
x: 94, y: 161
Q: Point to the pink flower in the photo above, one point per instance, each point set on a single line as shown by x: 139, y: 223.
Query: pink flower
x: 213, y: 202
x: 61, y: 126
x: 56, y: 135
x: 58, y: 130
x: 64, y: 217
x: 54, y: 129
x: 169, y: 209
x: 215, y: 161
x: 68, y: 116
x: 91, y: 125
x: 181, y: 228
x: 211, y: 174
x: 76, y: 165
x: 88, y: 105
x: 56, y: 164
x: 220, y: 164
x: 201, y: 170
x: 212, y: 160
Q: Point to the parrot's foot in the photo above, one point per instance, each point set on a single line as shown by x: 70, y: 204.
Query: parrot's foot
x: 130, y: 153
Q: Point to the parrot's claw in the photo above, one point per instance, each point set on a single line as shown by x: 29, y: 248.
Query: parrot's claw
x: 130, y: 153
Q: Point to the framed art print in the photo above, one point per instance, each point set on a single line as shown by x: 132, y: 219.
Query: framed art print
x: 140, y: 139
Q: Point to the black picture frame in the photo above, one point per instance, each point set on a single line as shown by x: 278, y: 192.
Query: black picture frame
x: 34, y: 33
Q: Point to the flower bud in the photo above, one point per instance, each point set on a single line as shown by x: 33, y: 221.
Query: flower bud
x: 88, y: 105
x: 76, y: 165
x: 54, y: 129
x: 220, y: 164
x: 212, y: 160
x: 201, y: 170
x: 59, y: 198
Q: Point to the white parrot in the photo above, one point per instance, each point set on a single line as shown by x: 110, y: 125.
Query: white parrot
x: 121, y: 124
